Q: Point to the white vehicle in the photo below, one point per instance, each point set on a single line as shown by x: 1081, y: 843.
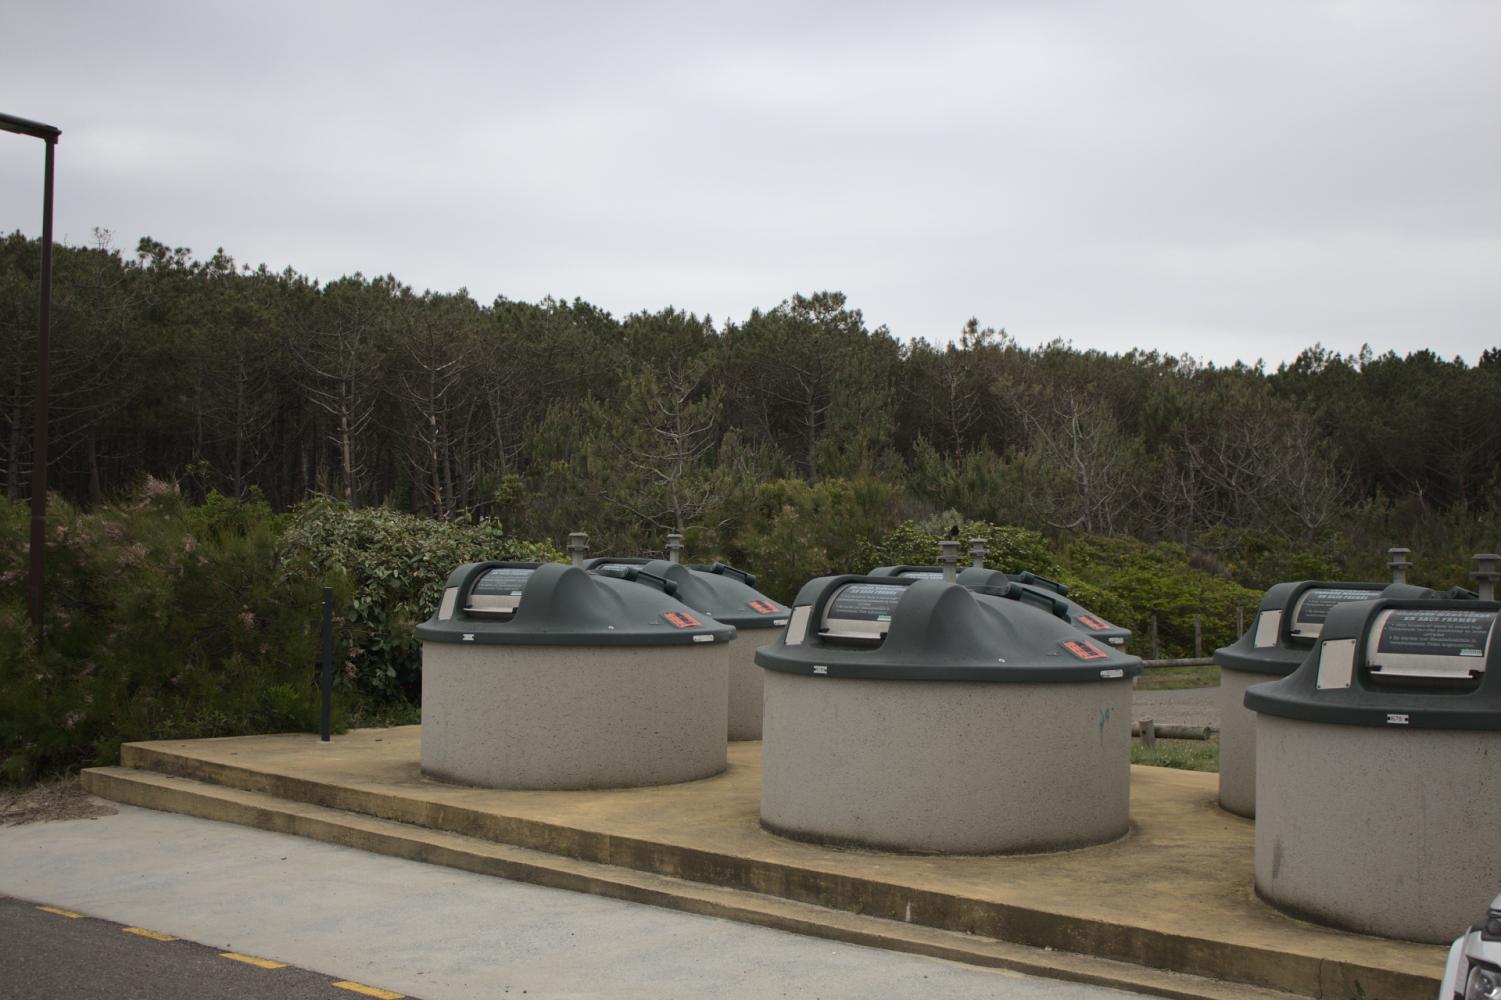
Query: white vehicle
x: 1474, y: 968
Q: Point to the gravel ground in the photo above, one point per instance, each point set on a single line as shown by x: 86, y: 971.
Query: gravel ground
x: 1183, y: 707
x: 62, y: 798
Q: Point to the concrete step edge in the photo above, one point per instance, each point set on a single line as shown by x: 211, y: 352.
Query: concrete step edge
x: 170, y: 793
x: 1248, y: 964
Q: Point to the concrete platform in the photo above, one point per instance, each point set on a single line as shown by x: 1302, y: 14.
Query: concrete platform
x: 1168, y: 909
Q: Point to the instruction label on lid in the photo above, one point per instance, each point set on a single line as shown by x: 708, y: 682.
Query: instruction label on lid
x: 1083, y: 649
x: 761, y: 607
x: 922, y: 574
x: 509, y: 580
x: 681, y: 619
x: 871, y: 602
x: 1437, y: 632
x: 1094, y: 623
x: 1316, y: 604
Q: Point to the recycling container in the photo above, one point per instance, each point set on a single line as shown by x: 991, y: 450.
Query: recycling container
x: 1050, y: 595
x: 726, y: 595
x: 1378, y: 771
x: 1279, y: 639
x: 546, y: 676
x: 1040, y: 590
x: 914, y: 715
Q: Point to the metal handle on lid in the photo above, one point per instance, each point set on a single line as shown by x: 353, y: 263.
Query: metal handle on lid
x: 1016, y: 592
x: 637, y: 574
x: 723, y: 569
x: 1042, y: 581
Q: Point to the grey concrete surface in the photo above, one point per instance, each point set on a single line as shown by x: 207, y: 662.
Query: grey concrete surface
x: 47, y: 956
x: 1181, y: 707
x: 1383, y: 831
x: 1238, y: 741
x: 946, y: 766
x: 552, y: 717
x: 437, y: 933
x: 746, y: 686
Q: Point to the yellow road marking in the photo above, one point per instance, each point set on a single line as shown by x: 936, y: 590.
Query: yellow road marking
x: 260, y: 963
x: 61, y: 913
x: 369, y: 991
x: 153, y: 935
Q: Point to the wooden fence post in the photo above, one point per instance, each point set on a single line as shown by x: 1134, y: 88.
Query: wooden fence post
x: 1198, y: 637
x: 1156, y: 653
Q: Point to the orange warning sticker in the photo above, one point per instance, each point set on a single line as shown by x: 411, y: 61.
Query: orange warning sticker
x: 1094, y: 623
x: 764, y: 607
x: 1084, y: 649
x: 681, y: 619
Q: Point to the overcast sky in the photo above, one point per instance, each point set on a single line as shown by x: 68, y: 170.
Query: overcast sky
x: 1224, y: 180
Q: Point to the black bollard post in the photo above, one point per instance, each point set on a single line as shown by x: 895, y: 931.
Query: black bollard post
x: 326, y: 682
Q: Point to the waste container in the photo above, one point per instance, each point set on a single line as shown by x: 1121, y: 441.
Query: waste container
x: 727, y: 595
x: 1279, y: 639
x: 1378, y: 771
x: 1050, y: 595
x: 545, y: 676
x: 915, y: 715
x: 1039, y: 590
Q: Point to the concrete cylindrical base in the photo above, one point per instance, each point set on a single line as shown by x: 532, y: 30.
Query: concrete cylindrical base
x: 573, y: 716
x: 1238, y: 741
x: 1380, y: 831
x: 746, y: 685
x: 946, y: 766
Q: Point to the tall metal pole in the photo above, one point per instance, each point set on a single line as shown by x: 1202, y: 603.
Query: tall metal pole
x: 37, y: 573
x: 326, y: 680
x: 35, y: 588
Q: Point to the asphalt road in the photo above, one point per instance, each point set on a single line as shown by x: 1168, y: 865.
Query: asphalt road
x: 48, y: 953
x: 406, y: 927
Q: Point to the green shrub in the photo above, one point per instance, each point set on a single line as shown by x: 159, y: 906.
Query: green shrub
x: 162, y: 620
x: 1130, y: 581
x: 1008, y: 549
x: 794, y: 531
x: 396, y: 564
x: 1257, y: 559
x: 168, y: 620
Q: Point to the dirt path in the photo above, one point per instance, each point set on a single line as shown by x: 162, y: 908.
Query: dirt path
x: 1183, y: 707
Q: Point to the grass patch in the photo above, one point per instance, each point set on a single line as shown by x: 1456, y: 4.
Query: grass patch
x: 1174, y: 678
x: 385, y: 715
x: 1186, y: 755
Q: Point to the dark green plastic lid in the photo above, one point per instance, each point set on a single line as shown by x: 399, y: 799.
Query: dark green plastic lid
x: 563, y: 606
x: 724, y: 596
x: 1048, y: 595
x: 1302, y: 607
x: 1039, y: 590
x: 1398, y: 664
x: 905, y: 628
